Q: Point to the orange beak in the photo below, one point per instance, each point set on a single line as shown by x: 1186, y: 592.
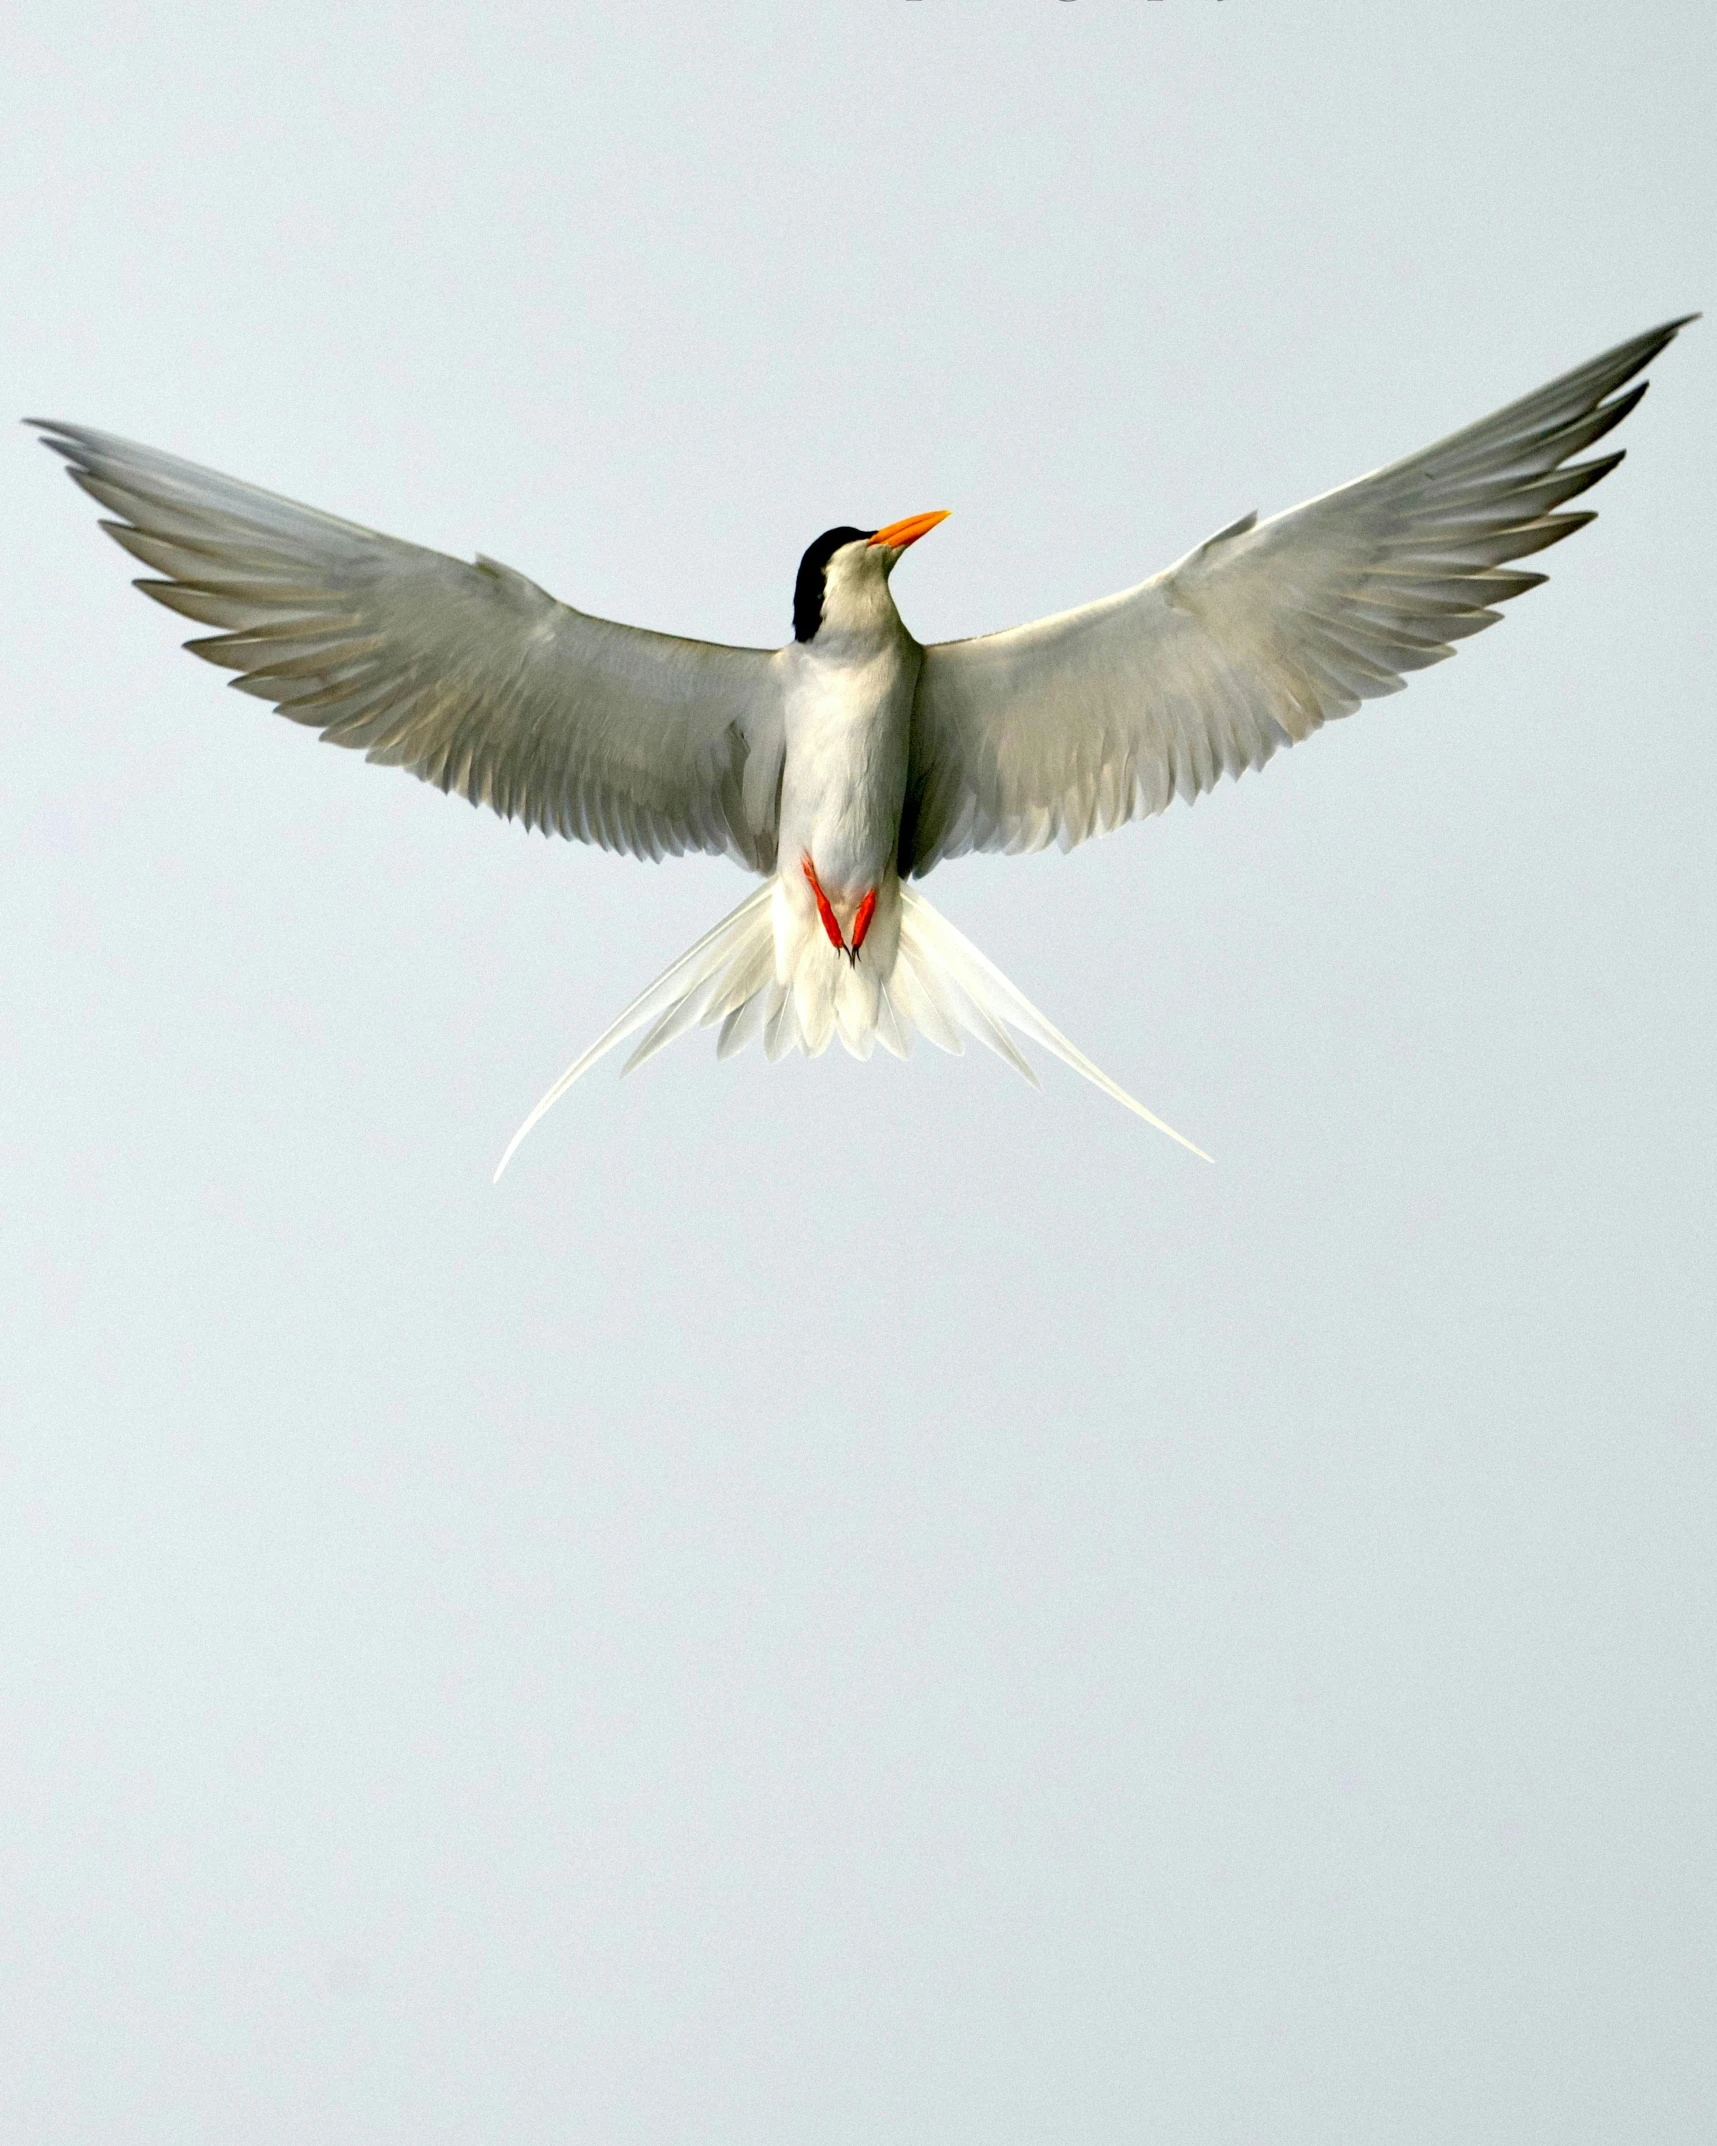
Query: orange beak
x: 898, y: 535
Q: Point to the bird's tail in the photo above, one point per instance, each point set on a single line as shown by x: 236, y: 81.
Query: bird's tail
x: 940, y: 987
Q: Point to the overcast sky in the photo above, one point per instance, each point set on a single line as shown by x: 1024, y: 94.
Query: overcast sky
x: 850, y: 1603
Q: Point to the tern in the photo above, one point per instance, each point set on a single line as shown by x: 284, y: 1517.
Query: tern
x: 842, y: 767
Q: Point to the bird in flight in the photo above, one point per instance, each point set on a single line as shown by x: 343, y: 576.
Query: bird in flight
x: 844, y: 766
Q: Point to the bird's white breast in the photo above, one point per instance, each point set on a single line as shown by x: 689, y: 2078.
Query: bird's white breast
x: 848, y: 725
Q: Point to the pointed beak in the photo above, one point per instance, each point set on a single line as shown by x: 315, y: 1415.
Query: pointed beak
x: 898, y: 535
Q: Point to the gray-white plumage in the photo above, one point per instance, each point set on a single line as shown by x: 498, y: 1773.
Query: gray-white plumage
x: 1063, y: 729
x: 853, y: 759
x: 471, y: 677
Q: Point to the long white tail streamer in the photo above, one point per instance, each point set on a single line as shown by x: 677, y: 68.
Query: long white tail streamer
x: 1003, y: 1001
x: 695, y: 971
x: 940, y: 987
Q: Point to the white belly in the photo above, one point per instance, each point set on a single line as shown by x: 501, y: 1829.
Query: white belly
x: 843, y: 781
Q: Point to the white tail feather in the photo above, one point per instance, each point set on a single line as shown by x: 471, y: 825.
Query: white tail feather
x: 989, y: 989
x: 694, y: 974
x: 939, y: 986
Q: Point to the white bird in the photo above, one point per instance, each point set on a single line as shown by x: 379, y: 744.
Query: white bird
x: 853, y: 760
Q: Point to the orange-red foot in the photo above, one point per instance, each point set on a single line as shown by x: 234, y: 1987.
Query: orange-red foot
x: 830, y: 925
x: 861, y: 924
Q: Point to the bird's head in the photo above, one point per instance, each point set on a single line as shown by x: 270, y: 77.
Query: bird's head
x: 843, y: 577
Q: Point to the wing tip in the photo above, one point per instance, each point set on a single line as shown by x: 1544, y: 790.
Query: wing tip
x: 1640, y: 350
x: 1652, y: 340
x: 59, y: 439
x: 60, y: 433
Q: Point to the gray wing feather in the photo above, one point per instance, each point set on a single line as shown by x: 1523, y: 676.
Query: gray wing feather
x: 1057, y: 731
x: 470, y: 676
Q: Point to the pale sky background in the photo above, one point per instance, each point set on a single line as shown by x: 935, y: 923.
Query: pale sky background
x: 849, y: 1603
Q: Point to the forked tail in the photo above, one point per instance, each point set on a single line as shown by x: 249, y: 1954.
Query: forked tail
x: 940, y: 988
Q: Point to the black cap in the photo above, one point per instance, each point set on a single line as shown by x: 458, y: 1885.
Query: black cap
x: 808, y: 589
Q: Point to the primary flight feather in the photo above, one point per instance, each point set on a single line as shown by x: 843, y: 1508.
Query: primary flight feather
x: 853, y: 760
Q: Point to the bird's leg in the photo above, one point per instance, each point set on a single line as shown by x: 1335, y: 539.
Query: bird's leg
x: 830, y: 923
x: 861, y: 924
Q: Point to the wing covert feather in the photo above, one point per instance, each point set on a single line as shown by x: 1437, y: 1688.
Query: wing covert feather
x: 1063, y: 729
x: 470, y: 676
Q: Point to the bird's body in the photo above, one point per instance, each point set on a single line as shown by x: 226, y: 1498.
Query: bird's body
x: 853, y: 760
x: 847, y: 710
x: 848, y: 718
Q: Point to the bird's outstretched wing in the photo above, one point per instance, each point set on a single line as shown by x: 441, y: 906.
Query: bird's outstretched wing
x: 1060, y: 730
x: 470, y: 676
